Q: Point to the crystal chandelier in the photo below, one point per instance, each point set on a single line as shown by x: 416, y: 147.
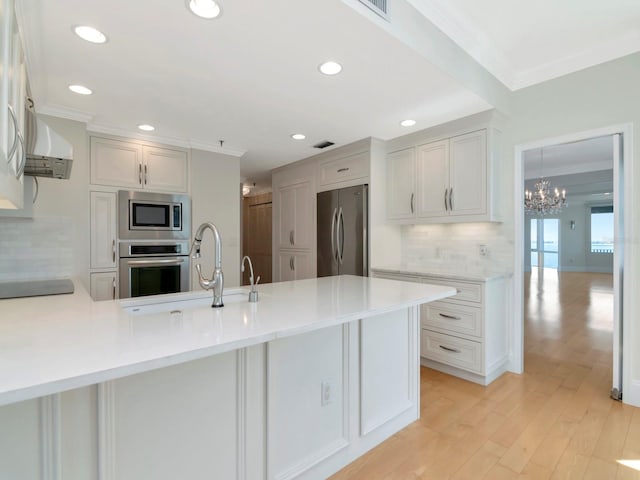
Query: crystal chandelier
x: 541, y: 201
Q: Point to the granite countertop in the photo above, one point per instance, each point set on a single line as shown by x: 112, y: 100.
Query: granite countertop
x: 444, y: 271
x: 56, y: 343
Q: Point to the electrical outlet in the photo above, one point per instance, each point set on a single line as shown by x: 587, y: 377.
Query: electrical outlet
x: 483, y: 250
x: 326, y: 394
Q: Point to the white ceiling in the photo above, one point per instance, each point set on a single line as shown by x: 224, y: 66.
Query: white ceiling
x: 250, y: 77
x: 523, y: 42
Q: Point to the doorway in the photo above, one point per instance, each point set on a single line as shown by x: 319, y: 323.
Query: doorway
x: 620, y: 138
x: 256, y: 236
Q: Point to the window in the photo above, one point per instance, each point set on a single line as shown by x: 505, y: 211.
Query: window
x: 602, y: 229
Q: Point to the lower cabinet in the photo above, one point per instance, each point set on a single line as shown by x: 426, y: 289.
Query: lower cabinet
x: 295, y: 265
x: 464, y: 335
x: 104, y: 286
x: 299, y: 407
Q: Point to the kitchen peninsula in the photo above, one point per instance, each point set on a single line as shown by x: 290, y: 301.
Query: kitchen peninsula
x: 296, y: 385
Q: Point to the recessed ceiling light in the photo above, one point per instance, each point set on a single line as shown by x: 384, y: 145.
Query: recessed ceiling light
x: 204, y: 8
x: 408, y: 123
x: 80, y: 89
x: 298, y: 136
x: 90, y: 34
x: 330, y: 68
x: 146, y: 128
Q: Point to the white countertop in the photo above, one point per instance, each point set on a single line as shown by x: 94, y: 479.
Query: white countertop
x: 444, y: 271
x: 55, y: 343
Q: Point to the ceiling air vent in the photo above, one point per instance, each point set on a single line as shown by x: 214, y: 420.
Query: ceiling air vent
x: 324, y: 144
x: 378, y: 6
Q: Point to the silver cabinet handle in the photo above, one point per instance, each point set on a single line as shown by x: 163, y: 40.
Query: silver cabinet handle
x: 291, y: 239
x: 14, y: 142
x: 23, y: 162
x: 35, y: 195
x: 334, y: 251
x: 292, y: 265
x: 176, y: 261
x: 451, y: 199
x: 113, y: 251
x: 140, y: 173
x: 412, y: 196
x: 452, y: 317
x: 454, y: 350
x: 113, y: 283
x: 446, y: 191
x: 343, y: 169
x: 145, y: 174
x: 340, y: 236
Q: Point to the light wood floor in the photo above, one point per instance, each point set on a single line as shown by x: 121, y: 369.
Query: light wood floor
x: 555, y: 421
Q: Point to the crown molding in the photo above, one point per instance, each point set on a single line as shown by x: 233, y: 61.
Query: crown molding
x: 174, y: 141
x: 65, y: 112
x: 621, y: 46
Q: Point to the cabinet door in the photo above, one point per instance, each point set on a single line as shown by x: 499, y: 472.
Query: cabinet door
x: 116, y: 163
x: 469, y: 174
x: 103, y: 230
x: 401, y: 182
x: 164, y: 170
x: 296, y: 220
x: 294, y: 266
x: 104, y: 286
x: 433, y: 179
x: 12, y: 81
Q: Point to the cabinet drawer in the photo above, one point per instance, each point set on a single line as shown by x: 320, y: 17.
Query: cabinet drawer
x: 452, y: 317
x: 468, y: 292
x: 453, y: 351
x: 343, y: 169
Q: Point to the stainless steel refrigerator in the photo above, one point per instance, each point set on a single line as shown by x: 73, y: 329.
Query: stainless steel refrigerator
x: 342, y: 232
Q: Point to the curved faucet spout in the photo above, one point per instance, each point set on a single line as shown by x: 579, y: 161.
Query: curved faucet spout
x: 217, y: 281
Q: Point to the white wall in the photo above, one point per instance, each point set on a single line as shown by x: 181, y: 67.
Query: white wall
x: 215, y: 197
x: 55, y: 243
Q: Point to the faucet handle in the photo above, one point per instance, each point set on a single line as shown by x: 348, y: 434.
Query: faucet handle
x: 257, y: 280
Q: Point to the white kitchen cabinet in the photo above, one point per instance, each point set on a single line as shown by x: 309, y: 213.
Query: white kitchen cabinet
x: 13, y: 81
x: 464, y: 335
x: 295, y: 265
x: 401, y: 184
x: 344, y: 171
x: 295, y: 208
x: 103, y: 221
x: 129, y: 164
x: 444, y: 181
x: 104, y: 285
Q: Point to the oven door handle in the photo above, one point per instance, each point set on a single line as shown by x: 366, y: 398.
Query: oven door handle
x: 171, y: 261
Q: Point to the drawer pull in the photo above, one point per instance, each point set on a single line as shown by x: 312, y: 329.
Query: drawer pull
x: 343, y: 169
x: 458, y: 290
x: 452, y: 317
x: 454, y: 350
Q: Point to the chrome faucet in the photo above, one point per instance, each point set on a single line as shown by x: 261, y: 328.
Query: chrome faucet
x: 217, y: 281
x: 253, y: 293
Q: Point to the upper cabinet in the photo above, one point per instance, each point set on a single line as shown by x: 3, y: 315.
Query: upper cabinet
x: 443, y: 181
x: 13, y: 86
x: 129, y: 164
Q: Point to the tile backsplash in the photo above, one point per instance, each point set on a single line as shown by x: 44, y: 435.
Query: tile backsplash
x: 32, y: 249
x: 457, y: 246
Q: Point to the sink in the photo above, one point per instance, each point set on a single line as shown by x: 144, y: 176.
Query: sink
x: 174, y: 303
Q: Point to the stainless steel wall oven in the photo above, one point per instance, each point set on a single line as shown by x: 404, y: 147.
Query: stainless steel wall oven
x: 154, y: 231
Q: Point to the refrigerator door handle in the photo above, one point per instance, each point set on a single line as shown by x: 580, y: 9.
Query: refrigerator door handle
x: 334, y: 252
x: 340, y: 236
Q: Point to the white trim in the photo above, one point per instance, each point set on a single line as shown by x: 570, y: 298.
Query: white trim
x: 630, y: 387
x: 106, y: 431
x: 241, y: 413
x: 65, y: 112
x: 50, y: 424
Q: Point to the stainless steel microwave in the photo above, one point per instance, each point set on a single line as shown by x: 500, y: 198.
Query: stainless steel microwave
x: 153, y: 216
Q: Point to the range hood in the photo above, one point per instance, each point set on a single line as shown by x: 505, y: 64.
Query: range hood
x: 48, y: 153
